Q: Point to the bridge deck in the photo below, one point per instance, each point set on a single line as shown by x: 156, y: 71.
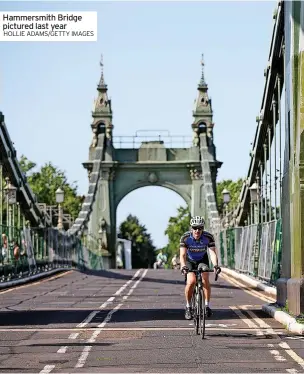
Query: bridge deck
x: 111, y: 322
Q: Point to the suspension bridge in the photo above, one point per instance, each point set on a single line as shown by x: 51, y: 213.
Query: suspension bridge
x: 65, y: 307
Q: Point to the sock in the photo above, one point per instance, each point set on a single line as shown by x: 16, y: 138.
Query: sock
x: 187, y: 304
x: 207, y: 303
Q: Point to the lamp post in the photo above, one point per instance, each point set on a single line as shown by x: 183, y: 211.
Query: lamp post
x: 226, y: 199
x: 11, y: 199
x: 254, y: 197
x: 59, y: 201
x: 254, y: 200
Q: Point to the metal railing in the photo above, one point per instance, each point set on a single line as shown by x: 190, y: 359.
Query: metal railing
x: 27, y: 251
x: 169, y: 141
x: 254, y: 250
x: 265, y: 166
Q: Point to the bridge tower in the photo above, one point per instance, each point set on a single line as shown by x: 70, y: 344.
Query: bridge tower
x: 115, y: 169
x: 203, y: 129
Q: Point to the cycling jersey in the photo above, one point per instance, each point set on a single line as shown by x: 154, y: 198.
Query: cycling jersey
x: 197, y: 249
x: 162, y: 258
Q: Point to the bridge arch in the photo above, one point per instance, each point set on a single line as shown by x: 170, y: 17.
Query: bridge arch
x: 170, y: 186
x: 152, y: 205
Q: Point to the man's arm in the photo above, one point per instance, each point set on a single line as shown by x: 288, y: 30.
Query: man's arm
x: 182, y: 256
x: 212, y: 250
x: 182, y: 251
x: 213, y: 256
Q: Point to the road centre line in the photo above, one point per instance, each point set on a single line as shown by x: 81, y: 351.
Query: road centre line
x: 88, y: 319
x: 102, y: 306
x: 85, y: 353
x: 47, y: 369
x: 86, y: 350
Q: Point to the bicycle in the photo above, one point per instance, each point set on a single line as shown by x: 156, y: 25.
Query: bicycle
x: 198, y: 299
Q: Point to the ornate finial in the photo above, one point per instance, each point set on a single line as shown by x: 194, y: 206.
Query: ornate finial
x: 101, y: 82
x: 203, y: 76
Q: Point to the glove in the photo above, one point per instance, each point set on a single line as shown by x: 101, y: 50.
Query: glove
x: 184, y: 270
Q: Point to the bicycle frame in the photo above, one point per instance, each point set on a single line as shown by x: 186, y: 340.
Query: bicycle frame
x: 198, y: 301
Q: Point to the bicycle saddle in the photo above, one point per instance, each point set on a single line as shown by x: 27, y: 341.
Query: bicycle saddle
x: 203, y: 267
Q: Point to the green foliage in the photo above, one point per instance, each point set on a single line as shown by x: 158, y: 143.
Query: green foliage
x: 45, y: 182
x: 26, y: 165
x: 234, y: 187
x: 143, y: 250
x: 177, y: 226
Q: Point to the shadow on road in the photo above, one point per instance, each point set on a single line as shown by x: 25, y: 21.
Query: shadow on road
x: 140, y: 315
x: 51, y: 318
x: 118, y: 275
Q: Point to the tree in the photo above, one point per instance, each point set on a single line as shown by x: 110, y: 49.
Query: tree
x: 26, y: 165
x: 234, y: 187
x: 180, y: 224
x: 45, y: 182
x: 143, y: 250
x: 177, y: 226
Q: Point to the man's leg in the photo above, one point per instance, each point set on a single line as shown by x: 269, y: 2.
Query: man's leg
x: 190, y: 284
x: 207, y: 287
x: 207, y: 293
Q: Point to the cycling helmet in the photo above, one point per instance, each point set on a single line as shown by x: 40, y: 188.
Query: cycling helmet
x: 197, y: 221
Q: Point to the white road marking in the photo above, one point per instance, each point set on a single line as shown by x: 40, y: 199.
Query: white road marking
x: 47, y: 369
x: 85, y: 353
x: 219, y: 325
x: 92, y: 329
x: 254, y: 293
x: 90, y: 317
x: 294, y: 356
x: 83, y: 357
x: 246, y: 320
x: 63, y: 349
x: 263, y: 324
x: 276, y: 354
x: 258, y: 320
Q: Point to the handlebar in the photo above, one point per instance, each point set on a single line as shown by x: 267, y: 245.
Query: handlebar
x: 205, y: 271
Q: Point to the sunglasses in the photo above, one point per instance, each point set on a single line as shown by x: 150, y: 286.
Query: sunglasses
x: 197, y: 228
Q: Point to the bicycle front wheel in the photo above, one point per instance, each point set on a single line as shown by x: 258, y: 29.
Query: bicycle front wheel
x: 202, y: 314
x: 198, y: 310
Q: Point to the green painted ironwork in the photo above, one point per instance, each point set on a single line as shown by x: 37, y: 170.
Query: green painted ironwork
x: 28, y: 251
x: 257, y: 252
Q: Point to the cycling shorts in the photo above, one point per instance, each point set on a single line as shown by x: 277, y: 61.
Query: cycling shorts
x: 192, y: 265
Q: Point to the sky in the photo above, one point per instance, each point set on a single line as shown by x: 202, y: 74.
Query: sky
x: 151, y: 54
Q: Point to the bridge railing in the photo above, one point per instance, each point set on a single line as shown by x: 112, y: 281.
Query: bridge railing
x: 27, y: 251
x: 253, y: 250
x: 169, y: 141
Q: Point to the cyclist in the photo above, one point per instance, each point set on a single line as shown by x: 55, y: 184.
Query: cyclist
x: 161, y: 259
x: 194, y: 245
x: 175, y: 262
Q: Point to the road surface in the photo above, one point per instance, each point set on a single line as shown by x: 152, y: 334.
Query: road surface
x: 124, y: 321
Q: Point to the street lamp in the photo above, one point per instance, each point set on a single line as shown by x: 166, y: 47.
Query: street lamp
x: 11, y: 199
x: 226, y: 199
x: 226, y: 196
x: 254, y: 200
x: 59, y: 201
x: 10, y: 192
x: 254, y: 193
